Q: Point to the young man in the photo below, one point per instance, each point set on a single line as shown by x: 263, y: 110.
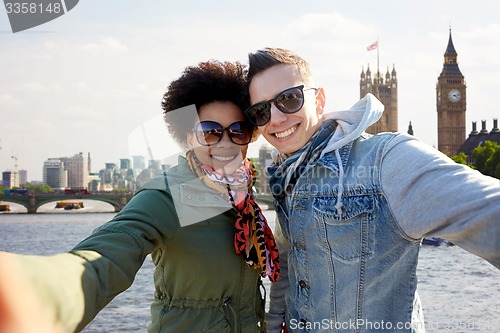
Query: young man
x: 353, y: 208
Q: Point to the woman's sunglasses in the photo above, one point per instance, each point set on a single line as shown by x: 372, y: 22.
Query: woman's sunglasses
x: 209, y: 133
x: 288, y: 101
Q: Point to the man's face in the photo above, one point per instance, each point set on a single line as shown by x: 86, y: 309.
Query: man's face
x: 287, y: 132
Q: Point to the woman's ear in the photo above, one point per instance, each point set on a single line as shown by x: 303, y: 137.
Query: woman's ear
x: 191, y: 140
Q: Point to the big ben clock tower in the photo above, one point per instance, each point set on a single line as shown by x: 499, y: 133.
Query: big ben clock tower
x: 451, y: 103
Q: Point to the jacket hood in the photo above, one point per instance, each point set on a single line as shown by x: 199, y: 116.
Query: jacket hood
x: 353, y: 122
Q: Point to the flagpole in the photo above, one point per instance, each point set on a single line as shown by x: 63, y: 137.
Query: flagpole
x: 378, y: 63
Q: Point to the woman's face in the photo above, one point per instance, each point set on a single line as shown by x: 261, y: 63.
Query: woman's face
x: 225, y: 156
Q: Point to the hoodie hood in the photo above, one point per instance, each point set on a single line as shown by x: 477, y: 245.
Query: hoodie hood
x: 353, y: 122
x: 350, y: 124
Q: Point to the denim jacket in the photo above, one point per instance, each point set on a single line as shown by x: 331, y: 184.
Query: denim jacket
x: 344, y: 268
x: 354, y: 269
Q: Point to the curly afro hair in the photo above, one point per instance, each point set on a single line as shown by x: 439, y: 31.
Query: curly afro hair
x: 210, y: 81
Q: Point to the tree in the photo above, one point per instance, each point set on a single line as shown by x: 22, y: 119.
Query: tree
x: 487, y: 159
x: 462, y: 159
x: 34, y: 188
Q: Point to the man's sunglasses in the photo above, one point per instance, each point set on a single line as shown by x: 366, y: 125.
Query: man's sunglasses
x: 288, y: 101
x: 209, y: 133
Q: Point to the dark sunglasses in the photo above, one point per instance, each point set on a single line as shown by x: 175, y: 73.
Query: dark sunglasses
x: 209, y: 133
x: 288, y: 101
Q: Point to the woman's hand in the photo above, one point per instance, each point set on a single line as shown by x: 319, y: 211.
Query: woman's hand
x: 21, y: 309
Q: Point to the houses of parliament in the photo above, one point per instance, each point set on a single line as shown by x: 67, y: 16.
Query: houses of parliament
x: 451, y: 105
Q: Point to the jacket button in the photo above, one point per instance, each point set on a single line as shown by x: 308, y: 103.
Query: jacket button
x: 299, y: 245
x: 303, y: 284
x: 189, y: 197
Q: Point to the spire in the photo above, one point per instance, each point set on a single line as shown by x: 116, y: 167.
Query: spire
x: 378, y: 78
x: 450, y: 66
x: 450, y: 49
x: 410, y: 129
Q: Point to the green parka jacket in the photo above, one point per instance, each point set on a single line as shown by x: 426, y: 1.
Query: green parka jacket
x: 201, y: 284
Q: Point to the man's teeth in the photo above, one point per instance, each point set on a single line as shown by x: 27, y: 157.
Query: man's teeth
x: 284, y: 134
x: 224, y: 158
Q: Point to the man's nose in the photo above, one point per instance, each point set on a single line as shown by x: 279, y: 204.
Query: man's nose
x: 277, y: 117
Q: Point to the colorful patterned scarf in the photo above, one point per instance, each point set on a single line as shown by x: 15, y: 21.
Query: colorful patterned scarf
x: 253, y: 238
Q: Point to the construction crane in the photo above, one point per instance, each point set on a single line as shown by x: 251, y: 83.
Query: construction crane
x: 15, y: 163
x: 15, y: 173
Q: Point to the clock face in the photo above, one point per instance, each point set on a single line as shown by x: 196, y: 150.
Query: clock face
x: 454, y: 95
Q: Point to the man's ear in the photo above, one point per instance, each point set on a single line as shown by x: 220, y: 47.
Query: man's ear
x: 320, y: 101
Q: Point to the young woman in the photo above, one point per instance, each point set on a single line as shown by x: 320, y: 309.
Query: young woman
x: 207, y: 237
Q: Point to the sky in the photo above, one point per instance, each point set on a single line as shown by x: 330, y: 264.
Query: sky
x: 92, y: 80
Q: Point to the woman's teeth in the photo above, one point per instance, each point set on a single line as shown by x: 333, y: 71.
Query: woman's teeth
x: 224, y: 158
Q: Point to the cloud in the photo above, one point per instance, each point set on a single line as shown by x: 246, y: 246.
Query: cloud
x: 333, y: 24
x: 104, y: 44
x: 81, y: 112
x: 81, y: 86
x: 7, y: 100
x: 40, y: 87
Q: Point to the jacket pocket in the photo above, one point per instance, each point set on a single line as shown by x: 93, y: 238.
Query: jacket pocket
x: 185, y: 319
x: 348, y: 235
x: 222, y: 326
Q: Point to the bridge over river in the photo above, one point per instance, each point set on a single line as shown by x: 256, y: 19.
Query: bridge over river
x: 117, y: 199
x: 33, y: 201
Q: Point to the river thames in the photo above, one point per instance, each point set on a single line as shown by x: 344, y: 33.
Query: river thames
x: 460, y: 292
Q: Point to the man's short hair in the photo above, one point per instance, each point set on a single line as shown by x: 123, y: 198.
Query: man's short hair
x: 268, y: 57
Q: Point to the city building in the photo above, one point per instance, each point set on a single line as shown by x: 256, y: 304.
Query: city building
x: 107, y: 174
x: 78, y: 170
x: 23, y: 176
x: 387, y: 92
x: 451, y: 103
x: 127, y: 173
x: 94, y: 182
x: 154, y: 164
x: 10, y: 179
x: 125, y: 164
x: 54, y: 174
x: 477, y: 139
x: 138, y: 164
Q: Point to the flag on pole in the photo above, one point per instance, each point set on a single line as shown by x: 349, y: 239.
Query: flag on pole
x: 372, y: 46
